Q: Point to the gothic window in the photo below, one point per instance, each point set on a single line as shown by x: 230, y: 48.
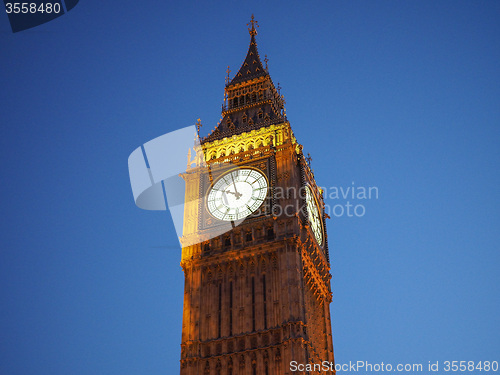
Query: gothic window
x: 230, y: 308
x: 254, y: 98
x: 220, y: 311
x: 270, y: 234
x: 264, y: 297
x: 260, y: 115
x: 206, y: 247
x: 244, y: 118
x: 227, y: 241
x: 253, y: 303
x: 248, y: 237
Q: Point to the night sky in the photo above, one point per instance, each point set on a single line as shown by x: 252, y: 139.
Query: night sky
x: 403, y: 96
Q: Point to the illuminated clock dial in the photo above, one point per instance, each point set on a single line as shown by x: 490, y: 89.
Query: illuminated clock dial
x: 237, y: 194
x: 314, y: 218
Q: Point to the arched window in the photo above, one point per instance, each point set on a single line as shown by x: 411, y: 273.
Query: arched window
x: 270, y: 234
x: 248, y: 237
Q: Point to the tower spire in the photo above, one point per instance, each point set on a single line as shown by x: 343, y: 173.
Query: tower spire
x: 252, y: 66
x: 251, y: 100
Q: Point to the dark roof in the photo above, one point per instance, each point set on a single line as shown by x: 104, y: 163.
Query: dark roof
x: 233, y: 124
x: 252, y: 66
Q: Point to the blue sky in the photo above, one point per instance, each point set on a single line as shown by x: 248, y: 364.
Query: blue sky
x: 404, y: 96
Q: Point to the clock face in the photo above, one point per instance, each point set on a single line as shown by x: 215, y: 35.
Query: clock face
x: 314, y: 218
x: 237, y: 194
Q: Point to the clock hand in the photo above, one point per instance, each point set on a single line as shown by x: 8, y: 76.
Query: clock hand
x: 238, y: 195
x: 225, y: 198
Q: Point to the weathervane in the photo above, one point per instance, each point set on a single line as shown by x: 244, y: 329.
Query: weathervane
x: 254, y: 23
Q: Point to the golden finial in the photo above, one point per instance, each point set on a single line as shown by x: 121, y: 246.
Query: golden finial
x: 198, y: 126
x: 227, y: 74
x: 254, y: 23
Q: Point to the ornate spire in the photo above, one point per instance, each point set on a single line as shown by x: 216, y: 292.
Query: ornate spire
x: 251, y: 100
x: 252, y: 66
x: 252, y: 30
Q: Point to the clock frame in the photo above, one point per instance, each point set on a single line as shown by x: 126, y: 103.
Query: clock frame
x: 222, y: 199
x: 314, y: 216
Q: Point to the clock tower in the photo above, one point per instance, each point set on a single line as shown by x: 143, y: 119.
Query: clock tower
x: 256, y: 263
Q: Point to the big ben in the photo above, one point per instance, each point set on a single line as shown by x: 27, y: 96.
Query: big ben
x: 255, y: 250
